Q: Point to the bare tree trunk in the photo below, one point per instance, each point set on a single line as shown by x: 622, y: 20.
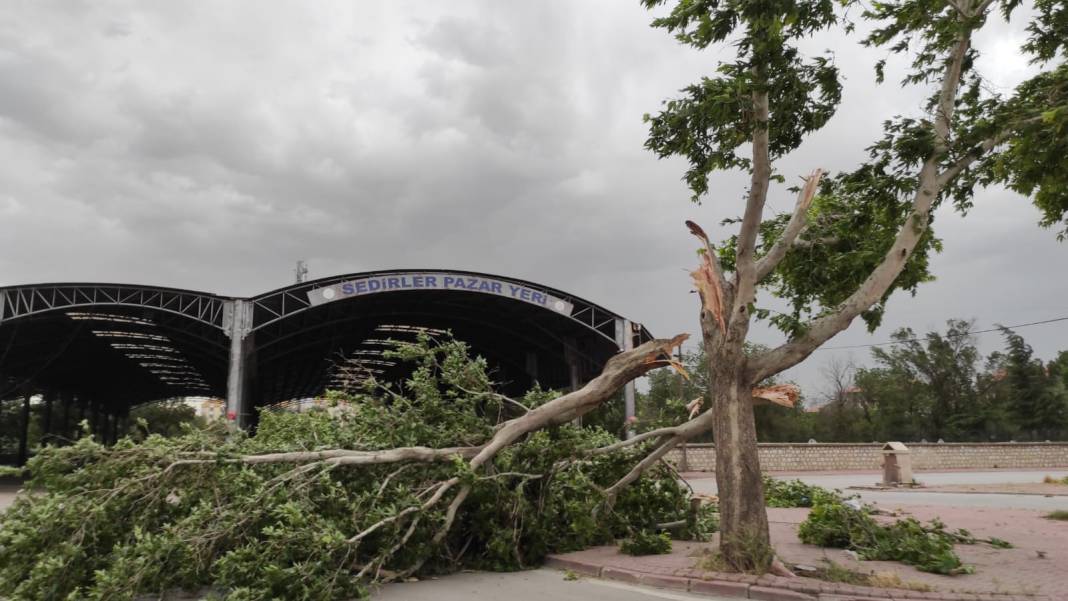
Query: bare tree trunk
x: 744, y: 539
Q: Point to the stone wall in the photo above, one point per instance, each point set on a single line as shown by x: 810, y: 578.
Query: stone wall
x: 805, y: 457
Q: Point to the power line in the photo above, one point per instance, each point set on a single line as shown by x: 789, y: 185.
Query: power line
x: 698, y: 343
x: 968, y: 333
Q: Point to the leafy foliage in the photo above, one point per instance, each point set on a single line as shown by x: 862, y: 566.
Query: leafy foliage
x: 925, y: 386
x: 166, y: 418
x: 646, y: 543
x: 795, y: 493
x: 836, y: 523
x: 145, y: 517
x: 928, y: 547
x: 934, y: 387
x: 868, y: 235
x: 1017, y: 140
x: 715, y: 118
x: 702, y: 525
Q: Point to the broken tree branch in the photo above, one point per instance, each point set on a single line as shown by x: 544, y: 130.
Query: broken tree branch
x: 770, y: 261
x: 745, y: 271
x: 928, y: 187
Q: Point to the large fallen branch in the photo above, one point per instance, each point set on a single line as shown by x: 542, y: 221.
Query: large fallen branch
x: 618, y: 371
x: 442, y: 479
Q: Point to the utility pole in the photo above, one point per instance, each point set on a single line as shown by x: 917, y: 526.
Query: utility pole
x: 302, y: 271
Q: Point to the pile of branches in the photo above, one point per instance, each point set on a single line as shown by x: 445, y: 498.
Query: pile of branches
x: 846, y: 523
x: 429, y: 476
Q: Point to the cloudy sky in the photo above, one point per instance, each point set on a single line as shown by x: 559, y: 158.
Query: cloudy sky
x: 210, y: 145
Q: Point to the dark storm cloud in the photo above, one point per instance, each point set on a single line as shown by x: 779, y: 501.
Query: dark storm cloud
x: 211, y: 145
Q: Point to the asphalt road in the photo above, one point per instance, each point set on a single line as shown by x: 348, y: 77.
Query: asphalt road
x: 534, y: 585
x: 892, y: 499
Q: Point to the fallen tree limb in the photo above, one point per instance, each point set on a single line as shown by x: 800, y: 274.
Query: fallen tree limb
x: 618, y: 371
x: 315, y: 528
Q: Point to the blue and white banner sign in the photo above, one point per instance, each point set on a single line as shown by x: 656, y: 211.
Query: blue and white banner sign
x: 437, y: 281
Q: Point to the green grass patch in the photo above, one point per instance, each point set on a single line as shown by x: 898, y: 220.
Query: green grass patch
x: 1060, y: 514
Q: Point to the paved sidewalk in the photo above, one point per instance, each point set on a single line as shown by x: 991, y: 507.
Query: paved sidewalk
x: 1001, y: 574
x: 705, y: 482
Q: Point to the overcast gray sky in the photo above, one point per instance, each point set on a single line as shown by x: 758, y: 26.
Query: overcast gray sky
x: 210, y: 145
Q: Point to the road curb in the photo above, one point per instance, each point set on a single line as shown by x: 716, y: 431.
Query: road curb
x: 768, y: 587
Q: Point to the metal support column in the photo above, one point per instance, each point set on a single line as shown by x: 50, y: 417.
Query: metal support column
x: 574, y: 370
x: 66, y: 399
x: 81, y: 402
x: 625, y: 340
x: 92, y: 417
x: 237, y: 319
x: 46, y: 418
x: 24, y: 435
x: 532, y: 366
x: 100, y: 423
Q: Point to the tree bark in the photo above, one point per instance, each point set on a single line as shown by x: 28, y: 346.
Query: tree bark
x: 745, y: 542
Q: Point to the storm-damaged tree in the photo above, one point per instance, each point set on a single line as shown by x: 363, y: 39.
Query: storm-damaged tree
x: 856, y: 237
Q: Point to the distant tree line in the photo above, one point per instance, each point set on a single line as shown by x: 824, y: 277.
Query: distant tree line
x: 930, y: 387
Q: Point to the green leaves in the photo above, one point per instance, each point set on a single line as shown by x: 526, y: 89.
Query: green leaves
x: 967, y: 137
x: 852, y: 224
x: 700, y: 23
x: 715, y: 117
x: 1031, y: 156
x: 646, y: 543
x: 1048, y: 31
x: 929, y: 547
x: 1020, y: 142
x: 110, y: 523
x: 795, y: 493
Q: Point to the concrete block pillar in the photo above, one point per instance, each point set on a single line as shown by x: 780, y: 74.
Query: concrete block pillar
x: 67, y: 398
x: 237, y: 319
x: 625, y: 340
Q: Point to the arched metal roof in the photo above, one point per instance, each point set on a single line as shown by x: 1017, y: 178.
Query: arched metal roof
x: 289, y: 300
x: 124, y: 344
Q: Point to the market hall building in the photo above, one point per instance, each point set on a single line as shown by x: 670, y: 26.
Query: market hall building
x: 92, y: 351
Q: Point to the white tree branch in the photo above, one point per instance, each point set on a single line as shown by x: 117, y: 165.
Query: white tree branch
x: 678, y: 435
x: 745, y: 272
x: 822, y: 329
x: 797, y: 222
x: 344, y: 456
x: 635, y: 472
x: 659, y: 432
x: 981, y: 149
